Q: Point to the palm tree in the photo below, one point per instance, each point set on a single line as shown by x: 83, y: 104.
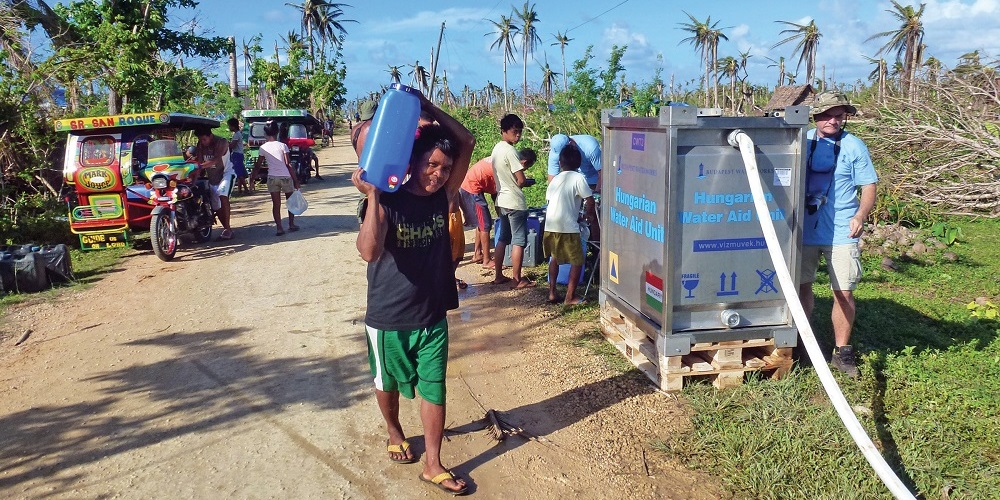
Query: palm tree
x: 705, y: 36
x: 879, y: 75
x: 562, y: 40
x: 329, y: 27
x: 548, y: 80
x: 394, y: 73
x: 780, y: 64
x: 714, y: 35
x: 505, y: 31
x: 316, y: 15
x: 248, y: 57
x: 730, y: 68
x: 421, y: 78
x: 808, y: 36
x: 905, y: 41
x: 933, y: 66
x: 293, y: 41
x: 529, y: 39
x: 698, y: 38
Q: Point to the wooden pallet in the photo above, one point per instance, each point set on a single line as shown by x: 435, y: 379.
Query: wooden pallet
x: 726, y: 364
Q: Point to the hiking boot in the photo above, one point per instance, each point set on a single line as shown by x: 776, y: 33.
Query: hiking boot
x: 843, y: 360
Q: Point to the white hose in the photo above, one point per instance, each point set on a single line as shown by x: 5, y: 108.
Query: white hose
x: 740, y: 139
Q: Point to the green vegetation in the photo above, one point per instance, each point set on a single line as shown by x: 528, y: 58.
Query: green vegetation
x: 926, y: 395
x: 930, y: 373
x: 110, y: 57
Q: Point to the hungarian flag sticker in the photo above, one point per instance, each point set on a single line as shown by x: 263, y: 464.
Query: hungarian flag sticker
x: 654, y: 291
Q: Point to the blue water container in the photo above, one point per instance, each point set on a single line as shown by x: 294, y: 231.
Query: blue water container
x: 386, y: 157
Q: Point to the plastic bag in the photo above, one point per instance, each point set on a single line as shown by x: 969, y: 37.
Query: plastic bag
x: 297, y: 203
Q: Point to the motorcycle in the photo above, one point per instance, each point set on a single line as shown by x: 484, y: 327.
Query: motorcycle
x: 181, y: 203
x: 300, y: 152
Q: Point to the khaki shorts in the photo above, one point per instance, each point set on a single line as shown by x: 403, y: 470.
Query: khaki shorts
x: 843, y: 262
x: 564, y: 248
x: 279, y: 185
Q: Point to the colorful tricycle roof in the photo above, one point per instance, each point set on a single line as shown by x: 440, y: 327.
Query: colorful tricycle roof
x: 182, y: 121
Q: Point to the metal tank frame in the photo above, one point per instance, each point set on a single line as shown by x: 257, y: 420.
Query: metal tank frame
x: 673, y: 189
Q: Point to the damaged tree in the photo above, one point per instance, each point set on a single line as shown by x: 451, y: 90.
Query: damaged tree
x: 943, y: 148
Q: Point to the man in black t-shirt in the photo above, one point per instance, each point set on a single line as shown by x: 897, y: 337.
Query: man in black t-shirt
x: 411, y: 286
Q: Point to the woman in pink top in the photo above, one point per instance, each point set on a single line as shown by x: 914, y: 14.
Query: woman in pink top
x: 280, y: 176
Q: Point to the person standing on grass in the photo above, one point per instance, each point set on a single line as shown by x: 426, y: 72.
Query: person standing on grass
x: 837, y: 166
x: 590, y: 164
x: 561, y: 240
x: 411, y: 287
x: 280, y: 175
x: 511, y: 206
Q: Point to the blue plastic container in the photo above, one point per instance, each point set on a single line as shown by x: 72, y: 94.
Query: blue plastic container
x: 532, y: 252
x: 386, y: 157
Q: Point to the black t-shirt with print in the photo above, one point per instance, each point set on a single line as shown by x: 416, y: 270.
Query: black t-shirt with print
x: 413, y: 284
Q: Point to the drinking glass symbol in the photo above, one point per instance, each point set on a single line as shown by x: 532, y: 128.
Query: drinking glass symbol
x: 689, y: 284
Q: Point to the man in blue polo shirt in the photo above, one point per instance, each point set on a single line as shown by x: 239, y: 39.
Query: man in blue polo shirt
x: 838, y: 164
x: 590, y: 150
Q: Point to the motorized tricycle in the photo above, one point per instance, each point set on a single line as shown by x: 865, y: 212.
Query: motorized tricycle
x: 182, y: 202
x: 295, y: 128
x: 109, y: 168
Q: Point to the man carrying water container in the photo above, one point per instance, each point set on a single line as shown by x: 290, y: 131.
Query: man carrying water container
x: 837, y: 165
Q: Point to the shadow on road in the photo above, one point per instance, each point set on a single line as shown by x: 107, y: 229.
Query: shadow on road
x: 206, y: 384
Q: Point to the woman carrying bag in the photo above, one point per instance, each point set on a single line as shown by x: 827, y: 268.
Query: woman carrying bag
x: 280, y: 176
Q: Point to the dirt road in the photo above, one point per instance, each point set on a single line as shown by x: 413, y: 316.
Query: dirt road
x: 239, y: 371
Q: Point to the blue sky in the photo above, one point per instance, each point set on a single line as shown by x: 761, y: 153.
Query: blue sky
x: 392, y: 32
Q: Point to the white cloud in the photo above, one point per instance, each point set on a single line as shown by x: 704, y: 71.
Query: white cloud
x: 455, y: 18
x: 937, y: 11
x: 275, y: 15
x: 640, y: 56
x: 951, y: 28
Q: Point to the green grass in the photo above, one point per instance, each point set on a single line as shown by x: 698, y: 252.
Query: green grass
x: 930, y: 376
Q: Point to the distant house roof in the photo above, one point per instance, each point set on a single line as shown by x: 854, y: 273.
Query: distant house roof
x: 789, y: 95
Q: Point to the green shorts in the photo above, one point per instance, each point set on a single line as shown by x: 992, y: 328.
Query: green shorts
x: 404, y: 360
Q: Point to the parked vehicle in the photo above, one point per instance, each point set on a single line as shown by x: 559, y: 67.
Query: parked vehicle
x: 182, y: 202
x: 300, y: 151
x: 295, y: 128
x: 108, y: 193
